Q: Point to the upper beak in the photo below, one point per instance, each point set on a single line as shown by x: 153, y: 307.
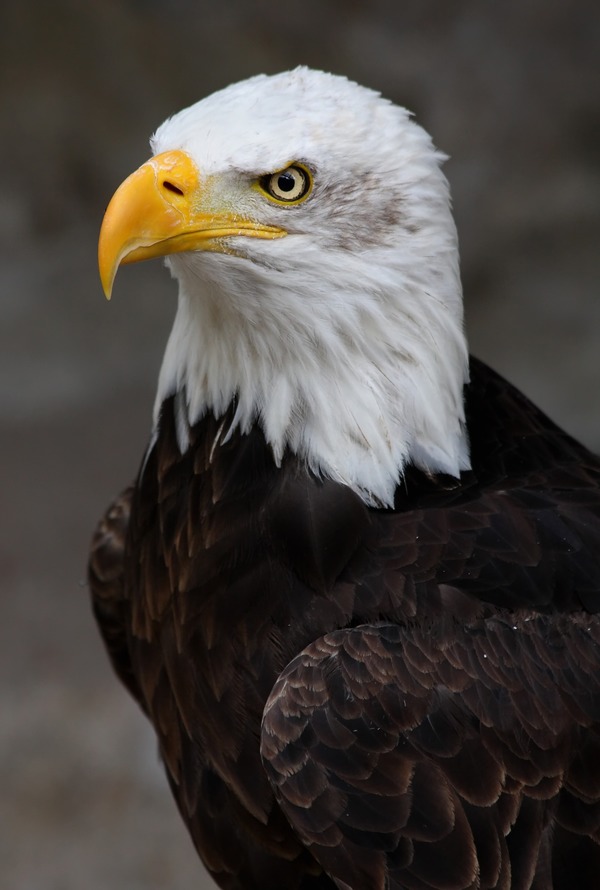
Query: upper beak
x: 161, y: 209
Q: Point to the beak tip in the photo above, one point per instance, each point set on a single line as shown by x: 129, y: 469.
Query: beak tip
x: 107, y: 268
x: 107, y: 285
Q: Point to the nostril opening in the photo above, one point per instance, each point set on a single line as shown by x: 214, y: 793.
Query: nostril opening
x: 171, y: 187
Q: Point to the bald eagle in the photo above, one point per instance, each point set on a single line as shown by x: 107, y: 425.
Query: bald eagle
x: 355, y: 585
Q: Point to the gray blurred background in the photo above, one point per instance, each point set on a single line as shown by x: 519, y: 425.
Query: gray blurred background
x: 510, y: 90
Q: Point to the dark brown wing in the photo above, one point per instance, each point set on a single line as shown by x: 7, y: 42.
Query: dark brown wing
x: 106, y: 577
x: 407, y: 758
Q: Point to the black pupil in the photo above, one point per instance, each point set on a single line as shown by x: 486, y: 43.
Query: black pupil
x: 286, y: 182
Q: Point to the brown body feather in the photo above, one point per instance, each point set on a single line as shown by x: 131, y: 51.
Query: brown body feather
x: 431, y: 671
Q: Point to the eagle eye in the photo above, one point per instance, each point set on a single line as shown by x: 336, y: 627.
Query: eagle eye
x: 288, y: 186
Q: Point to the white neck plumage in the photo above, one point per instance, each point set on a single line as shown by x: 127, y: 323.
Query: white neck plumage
x: 354, y: 361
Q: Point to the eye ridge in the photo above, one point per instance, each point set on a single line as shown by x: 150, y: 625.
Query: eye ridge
x: 288, y: 186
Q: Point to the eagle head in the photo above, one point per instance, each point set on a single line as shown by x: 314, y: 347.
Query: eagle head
x: 308, y: 224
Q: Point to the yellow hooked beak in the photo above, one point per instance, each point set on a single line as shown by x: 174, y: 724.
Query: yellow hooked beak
x: 162, y: 209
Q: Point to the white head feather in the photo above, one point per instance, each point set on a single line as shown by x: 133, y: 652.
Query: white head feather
x: 343, y: 340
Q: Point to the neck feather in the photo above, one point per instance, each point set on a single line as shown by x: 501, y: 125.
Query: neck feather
x: 358, y: 382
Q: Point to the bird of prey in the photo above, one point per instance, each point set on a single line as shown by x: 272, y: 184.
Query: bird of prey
x: 355, y: 584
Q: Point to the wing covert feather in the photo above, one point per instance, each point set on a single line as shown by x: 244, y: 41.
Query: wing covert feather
x: 395, y: 778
